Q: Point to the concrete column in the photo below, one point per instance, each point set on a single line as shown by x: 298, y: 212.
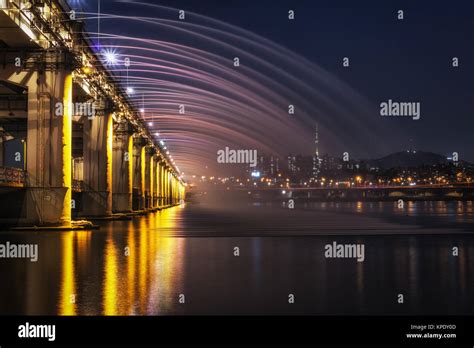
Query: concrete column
x: 122, y: 167
x: 152, y: 179
x: 148, y: 153
x: 168, y: 187
x: 138, y: 148
x: 49, y: 149
x: 158, y: 192
x: 172, y: 188
x: 176, y: 191
x: 143, y: 177
x: 156, y: 182
x: 162, y: 188
x: 165, y: 186
x: 181, y: 192
x: 98, y: 149
x: 160, y: 182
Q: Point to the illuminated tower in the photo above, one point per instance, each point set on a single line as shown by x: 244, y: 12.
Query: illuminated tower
x: 316, y: 158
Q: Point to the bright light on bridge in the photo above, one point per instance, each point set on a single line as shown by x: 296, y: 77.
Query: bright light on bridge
x: 110, y: 57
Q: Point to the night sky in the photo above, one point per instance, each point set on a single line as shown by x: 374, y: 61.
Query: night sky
x: 407, y: 60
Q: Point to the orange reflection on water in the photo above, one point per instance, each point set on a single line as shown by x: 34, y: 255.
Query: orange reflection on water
x: 142, y: 252
x: 131, y: 265
x: 170, y: 263
x: 110, y: 277
x: 142, y: 278
x: 68, y: 290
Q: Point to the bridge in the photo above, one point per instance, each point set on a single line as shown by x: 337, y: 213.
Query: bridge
x: 64, y: 163
x: 378, y: 193
x: 459, y: 191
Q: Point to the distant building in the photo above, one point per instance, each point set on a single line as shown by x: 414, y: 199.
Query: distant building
x: 316, y: 158
x: 291, y: 164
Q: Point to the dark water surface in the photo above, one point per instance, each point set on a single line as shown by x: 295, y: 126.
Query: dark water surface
x: 142, y: 266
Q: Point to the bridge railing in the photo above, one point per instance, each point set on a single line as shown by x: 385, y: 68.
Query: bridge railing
x: 12, y: 176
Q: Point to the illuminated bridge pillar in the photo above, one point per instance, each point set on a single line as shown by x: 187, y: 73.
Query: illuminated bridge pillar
x: 176, y: 190
x: 171, y: 186
x: 98, y: 149
x: 168, y: 186
x: 182, y: 192
x: 160, y: 183
x: 49, y: 149
x: 156, y: 181
x: 173, y: 189
x: 152, y: 180
x: 138, y: 192
x: 147, y: 177
x: 122, y: 168
x: 165, y: 185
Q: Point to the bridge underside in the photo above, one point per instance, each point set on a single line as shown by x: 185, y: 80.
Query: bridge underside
x: 58, y: 165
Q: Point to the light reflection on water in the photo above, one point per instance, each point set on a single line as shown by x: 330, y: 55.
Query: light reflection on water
x: 141, y: 266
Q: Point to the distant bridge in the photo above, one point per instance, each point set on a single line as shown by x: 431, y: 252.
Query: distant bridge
x: 462, y: 191
x: 108, y: 161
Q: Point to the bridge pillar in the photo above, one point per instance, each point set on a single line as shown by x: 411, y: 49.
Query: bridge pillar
x: 165, y: 186
x: 175, y: 190
x: 138, y: 153
x: 152, y: 179
x: 49, y: 149
x: 148, y: 177
x: 172, y: 189
x: 122, y: 178
x: 160, y: 182
x: 98, y: 149
x: 156, y: 181
x: 168, y: 187
x: 182, y: 192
